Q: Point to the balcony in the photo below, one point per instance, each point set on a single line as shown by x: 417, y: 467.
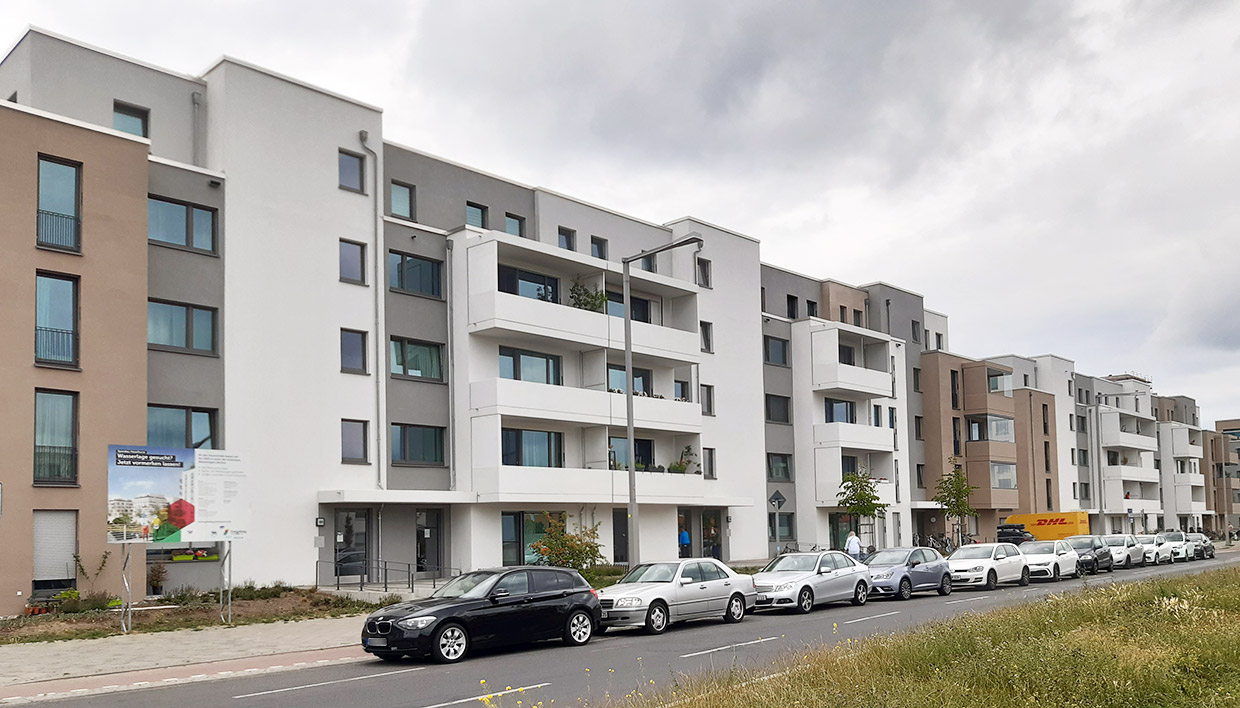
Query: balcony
x: 565, y: 485
x: 579, y: 405
x: 829, y: 473
x: 55, y: 346
x: 1123, y: 434
x: 1113, y: 501
x: 1130, y: 473
x: 1185, y: 443
x: 55, y: 466
x: 59, y: 231
x: 1188, y: 479
x: 854, y: 436
x: 834, y: 376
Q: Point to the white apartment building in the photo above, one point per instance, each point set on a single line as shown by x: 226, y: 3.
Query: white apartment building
x: 1179, y: 461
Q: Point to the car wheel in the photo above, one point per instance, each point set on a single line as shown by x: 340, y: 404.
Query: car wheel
x: 1111, y: 568
x: 391, y: 656
x: 992, y: 580
x: 656, y: 618
x: 578, y: 629
x: 860, y: 594
x: 450, y: 644
x: 1055, y: 574
x: 736, y: 609
x: 1076, y: 571
x: 905, y: 591
x: 945, y: 585
x: 1127, y: 562
x: 1024, y: 576
x: 805, y: 601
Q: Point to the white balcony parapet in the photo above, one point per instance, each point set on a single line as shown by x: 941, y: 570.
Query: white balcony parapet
x: 1182, y: 443
x: 568, y: 485
x: 579, y: 405
x: 1130, y: 473
x: 1117, y: 434
x: 855, y: 436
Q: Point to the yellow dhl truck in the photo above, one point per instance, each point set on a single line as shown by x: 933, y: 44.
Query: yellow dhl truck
x: 1053, y: 526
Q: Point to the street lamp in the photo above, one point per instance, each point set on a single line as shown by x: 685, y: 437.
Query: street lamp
x: 693, y: 238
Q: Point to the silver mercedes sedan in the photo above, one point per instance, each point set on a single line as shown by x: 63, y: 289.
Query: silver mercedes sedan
x: 655, y: 595
x: 798, y: 581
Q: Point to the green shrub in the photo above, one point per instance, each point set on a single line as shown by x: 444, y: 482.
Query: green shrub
x: 565, y: 549
x: 390, y: 599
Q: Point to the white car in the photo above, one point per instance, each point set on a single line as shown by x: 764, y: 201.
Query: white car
x: 798, y: 581
x: 654, y: 595
x: 1125, y: 550
x: 988, y: 564
x: 1051, y: 559
x: 1182, y: 548
x: 1157, y: 548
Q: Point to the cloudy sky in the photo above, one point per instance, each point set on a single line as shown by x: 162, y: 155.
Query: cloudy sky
x: 1055, y: 176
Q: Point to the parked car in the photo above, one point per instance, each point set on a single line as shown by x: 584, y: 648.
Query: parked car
x: 1052, y: 559
x: 486, y: 608
x: 1094, y: 553
x: 1157, y: 548
x: 988, y: 564
x: 799, y: 581
x: 654, y: 595
x: 1205, y: 547
x: 1013, y: 533
x: 1181, y: 547
x: 1125, y: 550
x: 902, y: 571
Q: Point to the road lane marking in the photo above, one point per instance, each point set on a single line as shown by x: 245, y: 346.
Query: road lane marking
x: 871, y: 617
x: 497, y: 694
x: 730, y: 646
x: 329, y: 683
x: 967, y: 599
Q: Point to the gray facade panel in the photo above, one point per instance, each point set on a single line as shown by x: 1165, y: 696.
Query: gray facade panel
x: 779, y: 284
x: 442, y: 189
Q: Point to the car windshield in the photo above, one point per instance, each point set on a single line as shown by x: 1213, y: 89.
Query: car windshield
x: 1145, y: 539
x: 1115, y: 540
x: 1082, y: 544
x: 1032, y: 547
x: 1196, y: 537
x: 1175, y: 536
x: 469, y: 585
x: 800, y: 562
x: 888, y: 558
x: 651, y: 573
x: 972, y: 552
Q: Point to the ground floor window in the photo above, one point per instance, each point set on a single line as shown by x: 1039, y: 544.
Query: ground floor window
x: 520, y: 529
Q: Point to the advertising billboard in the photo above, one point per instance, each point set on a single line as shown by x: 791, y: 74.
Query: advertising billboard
x: 176, y: 495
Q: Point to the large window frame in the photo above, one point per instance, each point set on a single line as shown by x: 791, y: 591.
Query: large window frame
x: 839, y: 410
x: 514, y: 225
x: 47, y: 456
x: 191, y: 416
x: 356, y: 335
x: 410, y: 200
x: 1002, y: 475
x: 775, y: 351
x: 643, y: 380
x: 342, y: 159
x: 643, y: 453
x: 192, y: 226
x: 350, y: 247
x: 398, y: 353
x: 50, y: 343
x: 190, y: 319
x: 476, y: 215
x: 400, y: 272
x: 54, y: 229
x: 403, y: 447
x: 777, y: 462
x: 347, y: 426
x: 529, y: 284
x: 773, y: 402
x: 552, y: 366
x: 513, y: 443
x: 641, y: 307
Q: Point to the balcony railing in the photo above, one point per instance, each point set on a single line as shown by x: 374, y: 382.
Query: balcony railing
x: 57, y: 346
x: 58, y: 231
x: 55, y: 464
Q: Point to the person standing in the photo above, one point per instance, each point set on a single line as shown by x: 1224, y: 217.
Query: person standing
x: 853, y: 545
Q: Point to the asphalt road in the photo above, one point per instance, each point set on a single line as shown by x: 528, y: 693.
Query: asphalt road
x: 612, y: 665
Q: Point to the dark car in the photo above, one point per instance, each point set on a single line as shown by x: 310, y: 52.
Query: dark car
x: 1205, y: 547
x: 1094, y: 553
x: 900, y: 572
x: 1013, y: 533
x: 492, y: 607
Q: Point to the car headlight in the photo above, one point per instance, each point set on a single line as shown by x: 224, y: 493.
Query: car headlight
x: 784, y: 587
x: 885, y: 575
x: 415, y: 622
x: 977, y: 569
x: 629, y: 602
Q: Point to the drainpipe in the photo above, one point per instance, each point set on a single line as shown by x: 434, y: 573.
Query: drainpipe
x: 381, y: 453
x: 196, y: 99
x: 449, y: 432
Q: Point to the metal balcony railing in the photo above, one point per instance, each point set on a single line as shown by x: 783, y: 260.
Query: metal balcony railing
x: 55, y: 464
x: 58, y: 230
x: 55, y: 345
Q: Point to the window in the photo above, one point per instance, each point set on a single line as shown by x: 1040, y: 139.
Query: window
x: 847, y: 355
x: 1080, y: 423
x: 1113, y: 458
x: 417, y: 444
x: 891, y: 418
x: 840, y: 411
x: 411, y: 274
x: 955, y: 380
x: 938, y: 340
x: 641, y: 306
x: 522, y: 365
x: 1071, y: 422
x: 180, y: 224
x: 857, y: 317
x: 843, y: 313
x: 992, y: 428
x: 60, y: 192
x: 643, y: 452
x: 598, y: 247
x: 527, y: 284
x: 956, y: 436
x: 174, y: 426
x: 352, y: 351
x: 643, y: 379
x: 776, y: 350
x: 878, y: 416
x: 811, y: 308
x: 182, y: 327
x: 916, y: 331
x: 1003, y: 475
x: 1074, y: 491
x: 352, y: 262
x: 778, y: 409
x: 353, y: 442
x: 1085, y: 490
x: 999, y: 382
x: 532, y: 448
x: 514, y: 225
x: 703, y: 273
x: 778, y: 467
x: 921, y: 476
x: 55, y: 437
x: 401, y: 200
x: 917, y: 380
x: 568, y: 239
x: 1082, y: 458
x: 708, y: 336
x: 792, y: 307
x: 917, y: 421
x: 130, y: 119
x: 708, y: 463
x: 848, y: 464
x: 416, y: 359
x: 475, y: 215
x: 56, y: 320
x: 54, y: 540
x: 706, y: 394
x: 1049, y: 505
x: 649, y: 264
x: 351, y: 166
x: 1046, y: 455
x: 762, y: 299
x: 781, y: 526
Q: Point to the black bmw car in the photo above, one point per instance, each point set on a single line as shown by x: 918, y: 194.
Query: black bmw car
x: 1094, y: 553
x: 491, y: 607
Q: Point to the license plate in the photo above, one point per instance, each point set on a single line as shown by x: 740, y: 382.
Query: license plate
x: 761, y: 598
x: 376, y: 642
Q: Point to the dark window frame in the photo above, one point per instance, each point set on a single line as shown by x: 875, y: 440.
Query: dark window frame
x: 405, y: 461
x: 365, y: 458
x: 767, y: 408
x: 770, y: 456
x: 361, y: 171
x: 598, y: 247
x: 189, y: 227
x: 550, y: 283
x: 132, y: 110
x: 189, y: 330
x: 413, y: 201
x: 566, y: 235
x: 706, y: 331
x: 639, y: 374
x: 77, y: 204
x: 704, y: 276
x: 361, y: 262
x: 365, y: 370
x: 555, y: 447
x: 767, y: 340
x: 77, y: 322
x: 709, y: 470
x: 212, y: 419
x: 811, y: 308
x: 850, y: 408
x: 401, y: 286
x: 405, y: 342
x: 554, y: 362
x: 706, y: 396
x: 793, y: 307
x: 520, y: 221
x: 484, y: 215
x: 74, y: 450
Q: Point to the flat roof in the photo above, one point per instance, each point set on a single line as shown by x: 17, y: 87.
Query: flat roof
x: 454, y: 163
x: 8, y: 105
x: 32, y: 29
x: 289, y: 79
x: 703, y: 222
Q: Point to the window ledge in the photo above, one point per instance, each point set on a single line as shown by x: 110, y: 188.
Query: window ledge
x: 355, y: 372
x: 54, y: 365
x: 423, y: 465
x: 56, y: 485
x: 180, y: 350
x: 351, y: 189
x: 424, y: 296
x: 58, y: 249
x: 183, y: 249
x: 421, y: 379
x: 350, y: 281
x: 355, y: 462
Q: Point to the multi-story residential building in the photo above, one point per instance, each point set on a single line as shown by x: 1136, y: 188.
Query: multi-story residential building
x: 1223, y: 456
x: 1180, y: 458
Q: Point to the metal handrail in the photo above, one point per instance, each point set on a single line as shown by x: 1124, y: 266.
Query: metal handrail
x: 57, y: 230
x: 372, y: 570
x: 55, y: 464
x: 55, y: 345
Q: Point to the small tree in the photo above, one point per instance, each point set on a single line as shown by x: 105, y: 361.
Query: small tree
x: 858, y: 496
x: 91, y: 577
x: 565, y: 549
x: 584, y: 298
x: 952, y: 494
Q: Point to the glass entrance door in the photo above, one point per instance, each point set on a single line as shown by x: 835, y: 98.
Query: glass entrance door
x: 352, y: 542
x: 620, y: 534
x: 712, y: 533
x: 430, y: 542
x: 684, y: 532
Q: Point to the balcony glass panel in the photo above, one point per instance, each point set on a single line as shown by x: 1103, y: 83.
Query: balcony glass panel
x: 991, y: 428
x: 1002, y: 475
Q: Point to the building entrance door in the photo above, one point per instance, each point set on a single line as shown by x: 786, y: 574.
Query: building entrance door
x: 352, y: 557
x: 430, y: 543
x: 712, y: 533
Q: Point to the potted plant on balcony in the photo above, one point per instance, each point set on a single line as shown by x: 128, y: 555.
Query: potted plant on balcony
x: 584, y: 298
x: 682, y: 465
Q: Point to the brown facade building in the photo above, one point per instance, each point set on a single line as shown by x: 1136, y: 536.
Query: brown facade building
x: 73, y: 366
x: 1222, y: 468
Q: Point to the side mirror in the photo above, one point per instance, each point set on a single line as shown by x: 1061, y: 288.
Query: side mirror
x: 685, y: 580
x: 499, y: 594
x: 914, y: 564
x: 823, y: 570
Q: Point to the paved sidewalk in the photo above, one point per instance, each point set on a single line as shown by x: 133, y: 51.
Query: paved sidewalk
x: 45, y: 661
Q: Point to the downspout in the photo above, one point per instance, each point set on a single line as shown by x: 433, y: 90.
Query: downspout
x: 381, y: 452
x: 450, y: 432
x: 196, y: 99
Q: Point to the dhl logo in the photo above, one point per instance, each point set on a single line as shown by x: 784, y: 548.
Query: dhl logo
x: 1061, y: 521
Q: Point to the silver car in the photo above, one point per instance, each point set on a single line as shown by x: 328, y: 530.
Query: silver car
x: 1125, y: 550
x: 798, y: 581
x: 654, y: 595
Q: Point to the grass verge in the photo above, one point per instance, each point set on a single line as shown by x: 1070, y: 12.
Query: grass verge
x: 1162, y: 643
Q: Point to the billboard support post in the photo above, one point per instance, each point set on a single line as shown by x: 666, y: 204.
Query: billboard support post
x: 127, y: 591
x: 226, y: 584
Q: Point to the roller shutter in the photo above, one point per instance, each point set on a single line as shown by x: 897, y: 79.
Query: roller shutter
x: 55, y: 542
